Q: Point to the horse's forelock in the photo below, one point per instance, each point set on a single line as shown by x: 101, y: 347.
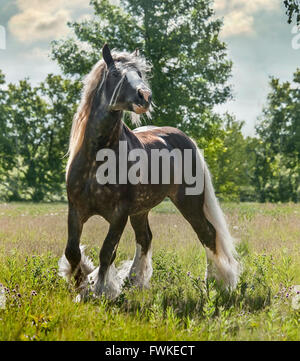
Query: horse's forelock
x: 132, y: 61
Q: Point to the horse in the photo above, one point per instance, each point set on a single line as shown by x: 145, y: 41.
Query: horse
x: 116, y: 85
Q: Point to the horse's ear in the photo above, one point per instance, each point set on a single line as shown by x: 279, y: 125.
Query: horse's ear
x: 136, y: 52
x: 107, y: 56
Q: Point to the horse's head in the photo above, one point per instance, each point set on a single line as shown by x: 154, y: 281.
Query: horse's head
x: 125, y: 88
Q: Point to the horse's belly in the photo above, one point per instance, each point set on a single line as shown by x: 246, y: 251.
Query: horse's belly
x: 148, y: 196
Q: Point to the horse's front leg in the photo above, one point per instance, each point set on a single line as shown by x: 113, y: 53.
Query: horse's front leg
x: 70, y: 265
x: 106, y: 281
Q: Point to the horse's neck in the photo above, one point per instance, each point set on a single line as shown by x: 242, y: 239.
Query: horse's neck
x: 103, y: 130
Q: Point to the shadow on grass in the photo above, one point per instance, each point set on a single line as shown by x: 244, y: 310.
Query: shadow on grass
x: 207, y: 302
x: 191, y: 297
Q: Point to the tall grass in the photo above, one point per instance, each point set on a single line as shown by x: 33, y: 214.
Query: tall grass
x: 178, y: 306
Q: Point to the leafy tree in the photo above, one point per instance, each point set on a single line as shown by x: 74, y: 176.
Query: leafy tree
x: 292, y: 9
x: 231, y: 157
x: 278, y: 156
x: 235, y: 163
x: 7, y: 137
x: 179, y: 38
x: 38, y: 121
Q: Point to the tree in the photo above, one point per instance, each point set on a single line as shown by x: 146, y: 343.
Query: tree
x: 179, y: 38
x: 37, y: 121
x: 292, y: 9
x: 231, y: 158
x: 278, y: 156
x: 236, y: 163
x: 7, y: 138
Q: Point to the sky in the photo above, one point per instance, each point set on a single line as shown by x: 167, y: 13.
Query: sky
x: 259, y: 41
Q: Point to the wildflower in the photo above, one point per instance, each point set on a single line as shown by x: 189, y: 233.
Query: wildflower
x: 33, y: 293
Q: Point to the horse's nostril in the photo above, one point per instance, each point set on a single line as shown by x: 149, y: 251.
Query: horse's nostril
x: 144, y: 95
x: 140, y: 93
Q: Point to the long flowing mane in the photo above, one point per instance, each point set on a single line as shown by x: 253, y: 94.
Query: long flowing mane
x: 91, y: 82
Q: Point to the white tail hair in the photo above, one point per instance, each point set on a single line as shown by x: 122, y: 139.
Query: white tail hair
x: 222, y: 265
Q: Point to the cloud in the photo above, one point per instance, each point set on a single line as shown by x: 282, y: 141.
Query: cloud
x: 236, y: 23
x: 37, y: 54
x: 50, y: 5
x: 35, y: 25
x: 43, y: 19
x: 239, y: 15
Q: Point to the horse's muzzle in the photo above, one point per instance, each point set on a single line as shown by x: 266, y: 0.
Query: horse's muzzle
x: 145, y: 94
x: 138, y: 109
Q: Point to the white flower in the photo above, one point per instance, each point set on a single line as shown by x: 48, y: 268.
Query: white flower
x: 2, y: 298
x: 296, y: 297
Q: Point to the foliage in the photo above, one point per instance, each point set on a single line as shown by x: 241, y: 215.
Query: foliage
x: 232, y: 161
x: 7, y: 151
x: 292, y: 9
x: 277, y: 173
x: 35, y: 123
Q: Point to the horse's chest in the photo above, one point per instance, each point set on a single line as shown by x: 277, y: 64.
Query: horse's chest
x: 88, y: 194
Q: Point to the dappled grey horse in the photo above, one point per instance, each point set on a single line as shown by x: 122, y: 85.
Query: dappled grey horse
x: 117, y: 84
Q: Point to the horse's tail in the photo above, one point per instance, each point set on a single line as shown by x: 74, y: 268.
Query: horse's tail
x: 222, y: 264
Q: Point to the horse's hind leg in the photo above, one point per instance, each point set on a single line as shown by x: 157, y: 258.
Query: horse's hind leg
x: 192, y: 208
x: 141, y: 269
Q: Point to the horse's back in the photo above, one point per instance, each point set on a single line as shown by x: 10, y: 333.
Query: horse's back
x: 169, y: 136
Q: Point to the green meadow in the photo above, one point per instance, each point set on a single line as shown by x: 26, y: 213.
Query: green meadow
x: 179, y: 305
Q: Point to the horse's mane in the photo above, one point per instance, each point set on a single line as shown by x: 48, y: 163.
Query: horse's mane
x: 90, y: 86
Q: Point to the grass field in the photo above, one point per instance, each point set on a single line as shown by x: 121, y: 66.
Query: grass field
x: 178, y: 305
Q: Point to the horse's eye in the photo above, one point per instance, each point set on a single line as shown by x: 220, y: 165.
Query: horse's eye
x: 139, y: 74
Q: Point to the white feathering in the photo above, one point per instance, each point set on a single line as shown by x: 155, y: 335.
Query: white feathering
x: 114, y: 279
